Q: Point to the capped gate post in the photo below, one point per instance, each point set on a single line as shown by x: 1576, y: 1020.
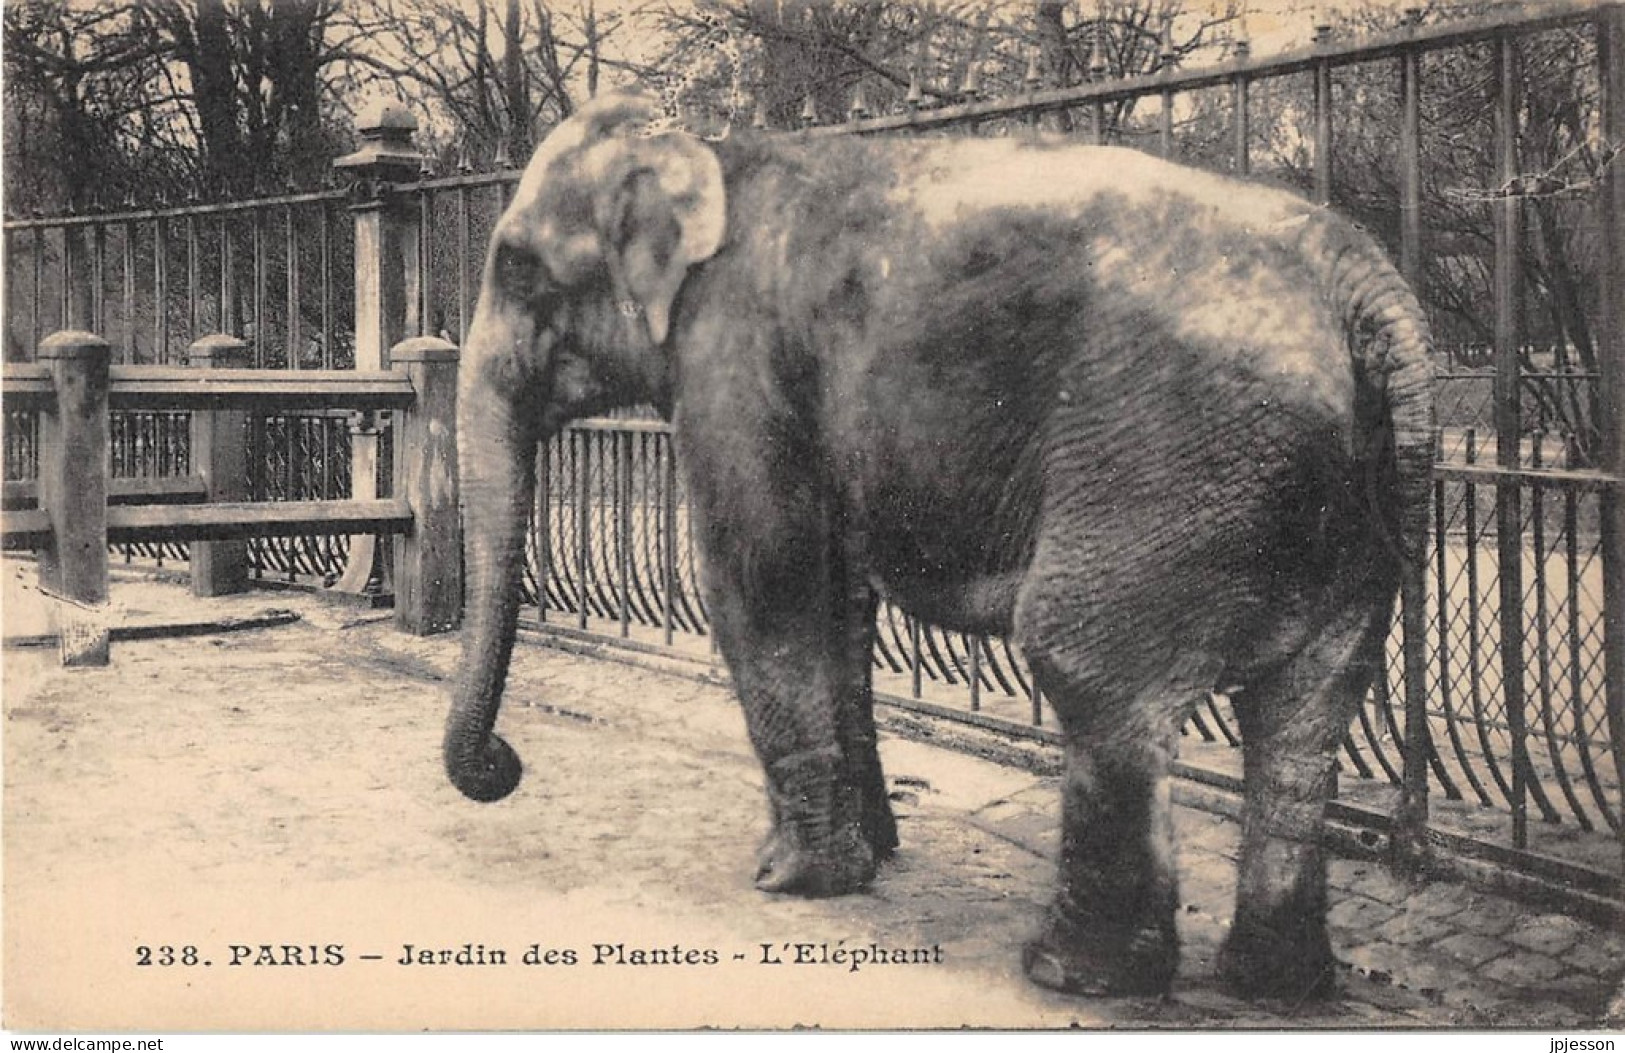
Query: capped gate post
x: 220, y: 455
x: 428, y: 559
x: 73, y: 492
x: 387, y: 264
x: 387, y: 299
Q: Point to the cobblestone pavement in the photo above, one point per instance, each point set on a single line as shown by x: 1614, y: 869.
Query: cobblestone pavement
x: 281, y: 787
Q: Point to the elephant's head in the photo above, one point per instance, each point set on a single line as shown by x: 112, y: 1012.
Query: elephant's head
x: 575, y: 307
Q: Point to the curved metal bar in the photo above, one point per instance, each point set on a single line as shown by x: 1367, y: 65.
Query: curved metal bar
x: 1441, y: 592
x: 675, y: 545
x: 1225, y: 732
x: 620, y: 445
x: 1201, y: 726
x: 1361, y: 768
x: 690, y: 595
x: 573, y: 537
x: 600, y: 508
x: 569, y: 526
x: 560, y: 589
x: 1543, y: 665
x: 1571, y: 523
x: 590, y: 518
x: 1475, y: 666
x: 1384, y: 705
x: 992, y: 667
x: 646, y: 525
x: 1531, y: 780
x: 538, y: 537
x: 641, y: 564
x: 886, y: 626
x: 1018, y: 669
x: 908, y: 643
x: 938, y: 668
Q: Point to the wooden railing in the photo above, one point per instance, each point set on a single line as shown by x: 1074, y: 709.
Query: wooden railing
x: 79, y: 508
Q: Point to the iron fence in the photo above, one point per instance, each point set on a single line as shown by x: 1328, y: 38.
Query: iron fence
x: 611, y: 552
x: 273, y: 271
x: 276, y: 272
x: 1522, y: 635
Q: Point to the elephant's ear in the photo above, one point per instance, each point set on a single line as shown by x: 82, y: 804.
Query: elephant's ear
x: 662, y: 210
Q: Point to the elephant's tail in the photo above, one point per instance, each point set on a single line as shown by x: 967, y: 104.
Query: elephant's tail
x: 1392, y: 347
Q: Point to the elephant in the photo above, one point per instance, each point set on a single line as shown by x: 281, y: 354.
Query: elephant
x: 1169, y: 430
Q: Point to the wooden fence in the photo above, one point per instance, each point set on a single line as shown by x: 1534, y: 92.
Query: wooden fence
x: 73, y: 388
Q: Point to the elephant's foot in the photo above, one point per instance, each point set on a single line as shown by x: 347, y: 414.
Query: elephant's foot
x: 785, y: 864
x: 1261, y: 961
x: 1102, y: 959
x: 824, y: 834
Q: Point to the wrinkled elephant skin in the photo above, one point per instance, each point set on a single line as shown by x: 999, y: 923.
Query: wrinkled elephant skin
x: 1169, y: 431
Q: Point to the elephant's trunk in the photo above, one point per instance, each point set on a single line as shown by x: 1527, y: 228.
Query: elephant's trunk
x: 496, y: 457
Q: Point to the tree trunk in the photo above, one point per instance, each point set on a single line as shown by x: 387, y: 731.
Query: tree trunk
x: 515, y: 90
x: 214, y: 88
x: 1055, y: 58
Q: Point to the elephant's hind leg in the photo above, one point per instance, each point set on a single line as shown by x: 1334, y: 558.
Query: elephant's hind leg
x: 1292, y: 720
x: 1111, y: 927
x: 1123, y: 632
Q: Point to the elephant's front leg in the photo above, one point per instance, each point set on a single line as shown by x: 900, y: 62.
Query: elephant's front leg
x: 859, y: 775
x: 855, y: 703
x: 822, y: 805
x: 781, y: 628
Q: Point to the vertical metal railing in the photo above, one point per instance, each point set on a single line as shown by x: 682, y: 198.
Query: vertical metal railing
x: 1241, y: 113
x: 1509, y: 291
x: 1611, y: 61
x: 156, y: 279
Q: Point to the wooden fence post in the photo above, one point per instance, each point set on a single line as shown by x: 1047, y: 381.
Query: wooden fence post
x: 428, y: 559
x: 387, y: 291
x: 73, y: 492
x: 220, y: 455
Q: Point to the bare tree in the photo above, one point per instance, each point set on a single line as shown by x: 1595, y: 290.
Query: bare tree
x: 256, y: 73
x: 490, y: 75
x: 78, y: 84
x: 165, y: 97
x: 803, y: 60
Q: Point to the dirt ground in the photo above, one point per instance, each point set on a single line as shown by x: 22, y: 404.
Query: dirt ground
x: 248, y: 831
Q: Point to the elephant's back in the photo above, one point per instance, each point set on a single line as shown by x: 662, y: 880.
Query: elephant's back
x: 948, y: 181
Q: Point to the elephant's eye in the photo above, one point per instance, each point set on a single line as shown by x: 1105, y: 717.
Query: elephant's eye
x: 517, y: 272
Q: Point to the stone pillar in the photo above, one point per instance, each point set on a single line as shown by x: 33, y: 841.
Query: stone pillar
x: 73, y: 492
x: 428, y: 559
x: 220, y: 456
x: 387, y: 277
x: 387, y: 297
